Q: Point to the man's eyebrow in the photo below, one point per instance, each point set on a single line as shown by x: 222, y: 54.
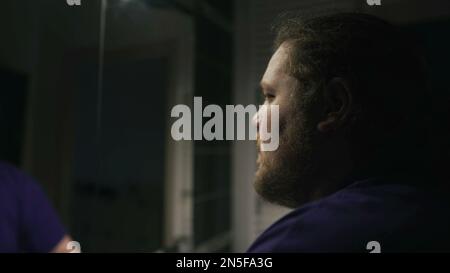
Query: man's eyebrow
x: 265, y: 86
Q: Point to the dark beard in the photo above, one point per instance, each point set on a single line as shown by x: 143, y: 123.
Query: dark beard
x: 284, y: 176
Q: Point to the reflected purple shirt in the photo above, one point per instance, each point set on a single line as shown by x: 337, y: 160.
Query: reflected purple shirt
x: 28, y: 223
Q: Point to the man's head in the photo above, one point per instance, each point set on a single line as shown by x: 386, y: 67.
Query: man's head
x: 352, y: 96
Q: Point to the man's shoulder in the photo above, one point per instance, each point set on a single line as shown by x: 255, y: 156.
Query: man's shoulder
x: 350, y: 218
x: 11, y: 174
x: 16, y: 184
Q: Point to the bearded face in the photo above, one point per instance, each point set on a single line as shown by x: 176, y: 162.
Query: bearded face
x: 284, y: 176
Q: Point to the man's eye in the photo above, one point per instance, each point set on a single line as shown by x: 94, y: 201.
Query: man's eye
x: 269, y: 97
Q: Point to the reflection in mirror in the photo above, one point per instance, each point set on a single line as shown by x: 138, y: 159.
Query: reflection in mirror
x: 48, y: 52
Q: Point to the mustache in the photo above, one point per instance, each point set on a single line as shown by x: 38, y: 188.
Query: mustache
x: 258, y: 143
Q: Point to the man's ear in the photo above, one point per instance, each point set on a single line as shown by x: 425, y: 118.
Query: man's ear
x: 338, y: 103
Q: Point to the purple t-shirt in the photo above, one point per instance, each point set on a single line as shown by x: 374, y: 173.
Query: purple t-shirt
x: 397, y: 215
x: 28, y: 223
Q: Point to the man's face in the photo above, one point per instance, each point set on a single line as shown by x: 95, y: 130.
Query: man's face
x: 283, y: 176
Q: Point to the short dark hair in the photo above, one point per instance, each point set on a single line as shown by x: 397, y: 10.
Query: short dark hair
x: 383, y: 66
